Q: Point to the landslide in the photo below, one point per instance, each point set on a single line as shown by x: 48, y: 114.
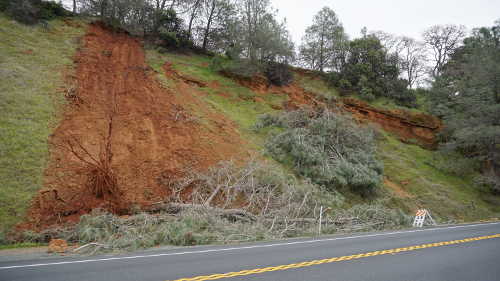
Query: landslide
x: 120, y: 117
x: 410, y: 127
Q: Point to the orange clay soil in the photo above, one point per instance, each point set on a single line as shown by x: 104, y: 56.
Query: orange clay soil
x: 408, y: 126
x: 150, y: 134
x: 419, y: 127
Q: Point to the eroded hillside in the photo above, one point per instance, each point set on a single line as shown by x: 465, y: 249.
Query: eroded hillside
x: 143, y: 119
x: 119, y: 116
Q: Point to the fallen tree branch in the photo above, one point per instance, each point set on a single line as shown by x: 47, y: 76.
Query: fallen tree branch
x: 175, y: 208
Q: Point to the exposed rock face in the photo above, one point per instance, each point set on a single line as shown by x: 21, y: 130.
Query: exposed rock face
x: 410, y: 127
x: 57, y: 246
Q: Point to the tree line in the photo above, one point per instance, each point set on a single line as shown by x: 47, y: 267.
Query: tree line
x: 377, y: 64
x: 461, y: 71
x: 466, y: 95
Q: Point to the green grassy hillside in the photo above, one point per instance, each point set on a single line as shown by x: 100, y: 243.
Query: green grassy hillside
x: 412, y: 176
x: 33, y: 61
x: 33, y: 64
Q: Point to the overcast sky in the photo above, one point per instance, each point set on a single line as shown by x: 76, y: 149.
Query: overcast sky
x: 401, y: 17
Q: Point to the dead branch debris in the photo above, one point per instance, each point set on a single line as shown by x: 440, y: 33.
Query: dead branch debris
x: 177, y: 208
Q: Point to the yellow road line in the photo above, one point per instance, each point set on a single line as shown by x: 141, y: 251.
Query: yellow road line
x: 335, y: 259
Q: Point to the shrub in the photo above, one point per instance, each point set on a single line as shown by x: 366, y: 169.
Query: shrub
x: 367, y: 94
x: 217, y: 63
x: 488, y: 181
x: 4, y: 4
x: 402, y: 95
x: 328, y: 148
x: 33, y: 11
x: 169, y: 38
x: 241, y: 68
x: 344, y: 84
x: 278, y: 74
x: 175, y: 40
x: 25, y: 11
x: 51, y: 10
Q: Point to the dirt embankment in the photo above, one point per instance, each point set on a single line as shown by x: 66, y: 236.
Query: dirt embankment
x: 118, y: 111
x: 410, y: 127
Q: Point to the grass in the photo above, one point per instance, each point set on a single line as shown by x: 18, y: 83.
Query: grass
x: 235, y: 101
x: 320, y: 87
x: 445, y: 195
x: 316, y: 86
x: 390, y: 104
x: 21, y: 245
x: 32, y: 63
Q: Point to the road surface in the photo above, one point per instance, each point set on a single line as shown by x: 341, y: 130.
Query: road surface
x: 461, y: 252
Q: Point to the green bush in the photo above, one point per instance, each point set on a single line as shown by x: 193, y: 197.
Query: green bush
x: 278, y: 74
x: 330, y: 149
x: 344, y: 84
x: 217, y: 63
x: 367, y: 94
x: 489, y: 182
x: 51, y: 10
x: 169, y: 38
x: 241, y: 68
x: 33, y: 11
x: 4, y: 4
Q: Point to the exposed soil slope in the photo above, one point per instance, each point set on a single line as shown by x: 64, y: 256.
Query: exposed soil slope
x: 408, y: 126
x: 119, y: 112
x: 419, y: 127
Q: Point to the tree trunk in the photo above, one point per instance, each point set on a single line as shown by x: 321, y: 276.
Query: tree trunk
x: 207, y: 28
x: 74, y: 6
x: 193, y: 14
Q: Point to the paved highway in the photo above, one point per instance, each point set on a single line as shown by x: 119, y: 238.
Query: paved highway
x: 462, y: 252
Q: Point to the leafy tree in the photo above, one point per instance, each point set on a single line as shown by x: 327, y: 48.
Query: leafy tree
x: 325, y: 44
x: 368, y: 58
x: 263, y: 37
x: 467, y: 96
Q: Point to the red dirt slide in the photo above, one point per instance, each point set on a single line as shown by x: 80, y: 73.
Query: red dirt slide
x: 408, y: 126
x: 120, y: 114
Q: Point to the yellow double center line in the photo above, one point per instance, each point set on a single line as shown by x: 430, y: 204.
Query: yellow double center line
x: 336, y: 259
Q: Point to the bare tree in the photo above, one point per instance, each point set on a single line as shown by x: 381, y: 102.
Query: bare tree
x: 443, y: 40
x: 392, y: 43
x: 412, y: 59
x: 194, y: 11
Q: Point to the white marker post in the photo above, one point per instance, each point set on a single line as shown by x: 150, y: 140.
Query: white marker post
x: 320, y: 218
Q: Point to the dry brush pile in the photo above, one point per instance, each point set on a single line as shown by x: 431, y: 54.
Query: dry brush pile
x: 227, y: 204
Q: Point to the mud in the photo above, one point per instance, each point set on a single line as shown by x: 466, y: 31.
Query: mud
x: 155, y: 135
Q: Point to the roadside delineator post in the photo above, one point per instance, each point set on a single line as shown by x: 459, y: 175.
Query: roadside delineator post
x: 320, y: 217
x: 420, y: 217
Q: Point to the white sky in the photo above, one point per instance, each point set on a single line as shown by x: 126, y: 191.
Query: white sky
x: 401, y: 17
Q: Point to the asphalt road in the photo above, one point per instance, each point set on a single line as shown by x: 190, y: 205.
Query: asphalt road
x: 462, y: 252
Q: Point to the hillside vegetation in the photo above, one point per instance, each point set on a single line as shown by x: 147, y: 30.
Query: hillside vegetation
x: 165, y: 120
x: 415, y: 177
x: 33, y: 63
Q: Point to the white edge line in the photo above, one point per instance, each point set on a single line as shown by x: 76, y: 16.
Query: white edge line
x: 245, y: 247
